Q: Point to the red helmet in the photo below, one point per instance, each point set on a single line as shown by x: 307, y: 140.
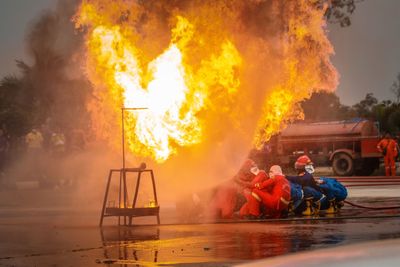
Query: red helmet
x: 301, y: 162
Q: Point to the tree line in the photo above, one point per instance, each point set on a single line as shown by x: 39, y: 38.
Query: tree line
x: 326, y: 106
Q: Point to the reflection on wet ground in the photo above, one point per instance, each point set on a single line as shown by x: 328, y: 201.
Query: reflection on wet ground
x: 47, y: 238
x: 226, y: 244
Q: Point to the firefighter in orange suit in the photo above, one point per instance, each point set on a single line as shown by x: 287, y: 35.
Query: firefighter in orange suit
x: 388, y: 147
x: 234, y: 192
x: 273, y: 193
x: 251, y: 209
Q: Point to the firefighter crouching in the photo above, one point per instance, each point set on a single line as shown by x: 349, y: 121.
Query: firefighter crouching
x: 304, y: 178
x: 388, y: 147
x: 256, y: 194
x: 273, y: 193
x: 231, y: 195
x: 334, y: 195
x: 319, y: 194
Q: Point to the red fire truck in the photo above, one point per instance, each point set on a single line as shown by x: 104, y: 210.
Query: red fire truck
x: 349, y: 147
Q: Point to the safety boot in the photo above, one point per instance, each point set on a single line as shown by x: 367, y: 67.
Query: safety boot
x: 291, y: 209
x: 339, y: 205
x: 317, y: 207
x: 309, y: 209
x: 332, y: 207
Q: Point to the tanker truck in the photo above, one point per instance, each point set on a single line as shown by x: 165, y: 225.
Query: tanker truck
x: 349, y: 147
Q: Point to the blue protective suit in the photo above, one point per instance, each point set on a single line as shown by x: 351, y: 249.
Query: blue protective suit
x: 333, y: 190
x: 308, y: 184
x: 296, y: 194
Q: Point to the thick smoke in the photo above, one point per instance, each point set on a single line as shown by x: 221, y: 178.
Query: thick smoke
x: 58, y: 91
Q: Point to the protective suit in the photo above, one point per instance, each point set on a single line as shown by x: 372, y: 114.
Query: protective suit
x: 309, y: 185
x: 334, y: 194
x: 388, y: 147
x: 272, y: 193
x: 232, y: 194
x: 251, y: 208
x: 312, y: 192
x: 296, y: 197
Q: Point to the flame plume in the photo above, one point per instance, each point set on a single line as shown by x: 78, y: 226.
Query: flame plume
x: 204, y: 69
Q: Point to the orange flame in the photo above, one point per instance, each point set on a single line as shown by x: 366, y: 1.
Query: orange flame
x: 187, y: 69
x: 173, y: 94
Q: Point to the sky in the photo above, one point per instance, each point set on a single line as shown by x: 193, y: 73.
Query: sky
x: 15, y: 18
x: 367, y: 53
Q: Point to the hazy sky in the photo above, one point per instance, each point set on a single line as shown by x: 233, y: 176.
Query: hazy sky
x: 15, y: 17
x: 367, y: 53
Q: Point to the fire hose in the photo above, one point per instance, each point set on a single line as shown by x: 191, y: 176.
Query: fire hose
x: 371, y: 208
x: 370, y: 181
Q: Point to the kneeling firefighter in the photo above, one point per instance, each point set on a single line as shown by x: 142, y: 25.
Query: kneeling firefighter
x: 312, y: 192
x: 232, y: 194
x: 272, y: 193
x: 335, y: 194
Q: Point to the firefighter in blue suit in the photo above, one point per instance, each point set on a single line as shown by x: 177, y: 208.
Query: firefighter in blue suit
x: 335, y: 194
x: 312, y: 192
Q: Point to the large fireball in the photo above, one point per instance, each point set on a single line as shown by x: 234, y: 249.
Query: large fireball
x: 203, y: 69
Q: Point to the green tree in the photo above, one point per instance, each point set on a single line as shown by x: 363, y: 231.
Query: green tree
x: 325, y: 106
x: 365, y: 107
x: 339, y: 11
x: 57, y: 97
x: 17, y: 106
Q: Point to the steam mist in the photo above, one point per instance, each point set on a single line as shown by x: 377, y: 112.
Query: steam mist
x: 54, y: 100
x: 283, y: 57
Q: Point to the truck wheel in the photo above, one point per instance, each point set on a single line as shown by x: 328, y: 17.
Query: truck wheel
x: 343, y: 165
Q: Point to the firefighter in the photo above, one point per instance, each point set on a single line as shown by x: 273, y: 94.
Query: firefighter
x: 57, y: 143
x: 251, y: 209
x: 34, y: 155
x: 312, y: 192
x: 34, y: 141
x: 388, y: 147
x: 334, y: 195
x: 272, y: 193
x: 231, y: 195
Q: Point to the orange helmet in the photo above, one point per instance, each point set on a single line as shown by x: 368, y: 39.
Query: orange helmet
x: 301, y: 162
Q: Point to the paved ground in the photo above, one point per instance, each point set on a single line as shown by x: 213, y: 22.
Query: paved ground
x: 66, y: 236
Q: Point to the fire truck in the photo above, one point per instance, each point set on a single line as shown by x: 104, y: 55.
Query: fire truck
x: 349, y: 147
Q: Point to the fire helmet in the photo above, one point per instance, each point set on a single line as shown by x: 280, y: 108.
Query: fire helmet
x: 301, y: 162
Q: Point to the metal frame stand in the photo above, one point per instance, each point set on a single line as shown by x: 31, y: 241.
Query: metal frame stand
x: 123, y: 209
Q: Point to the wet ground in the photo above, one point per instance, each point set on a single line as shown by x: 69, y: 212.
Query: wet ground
x: 61, y: 236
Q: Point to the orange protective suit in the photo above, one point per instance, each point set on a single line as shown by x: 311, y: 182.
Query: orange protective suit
x: 252, y: 206
x: 390, y: 146
x: 273, y: 193
x: 227, y: 196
